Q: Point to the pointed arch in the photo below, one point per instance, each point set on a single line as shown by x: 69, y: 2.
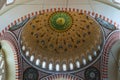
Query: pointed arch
x: 111, y: 40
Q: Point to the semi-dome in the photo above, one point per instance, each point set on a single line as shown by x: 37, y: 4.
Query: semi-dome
x: 61, y: 40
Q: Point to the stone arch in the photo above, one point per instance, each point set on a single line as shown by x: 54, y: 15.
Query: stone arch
x: 9, y: 59
x: 111, y: 40
x: 10, y: 40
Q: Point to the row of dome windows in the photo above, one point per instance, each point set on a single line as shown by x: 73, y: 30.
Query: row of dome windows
x: 57, y: 65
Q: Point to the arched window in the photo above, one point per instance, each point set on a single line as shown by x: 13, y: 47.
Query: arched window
x: 9, y: 2
x: 116, y: 1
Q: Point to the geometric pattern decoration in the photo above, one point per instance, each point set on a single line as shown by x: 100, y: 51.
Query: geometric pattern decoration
x: 60, y: 21
x: 30, y: 74
x: 32, y: 71
x: 59, y: 43
x: 92, y: 73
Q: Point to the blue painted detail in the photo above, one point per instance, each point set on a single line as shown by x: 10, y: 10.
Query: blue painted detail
x: 16, y: 26
x: 105, y: 24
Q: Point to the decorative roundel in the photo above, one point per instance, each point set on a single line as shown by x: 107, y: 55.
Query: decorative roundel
x: 62, y: 41
x: 92, y: 73
x: 30, y: 74
x: 61, y: 77
x: 60, y: 21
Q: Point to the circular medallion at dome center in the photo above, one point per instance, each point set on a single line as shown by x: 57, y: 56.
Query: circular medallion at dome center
x: 78, y: 45
x: 60, y: 21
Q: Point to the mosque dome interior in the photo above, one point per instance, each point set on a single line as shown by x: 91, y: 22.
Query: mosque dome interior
x: 59, y: 40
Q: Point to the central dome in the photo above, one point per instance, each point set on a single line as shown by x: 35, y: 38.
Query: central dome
x: 61, y: 40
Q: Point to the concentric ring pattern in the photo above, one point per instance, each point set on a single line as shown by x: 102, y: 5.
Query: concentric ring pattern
x: 61, y: 40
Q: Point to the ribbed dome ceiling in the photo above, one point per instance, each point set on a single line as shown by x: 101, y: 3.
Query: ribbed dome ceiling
x: 61, y: 40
